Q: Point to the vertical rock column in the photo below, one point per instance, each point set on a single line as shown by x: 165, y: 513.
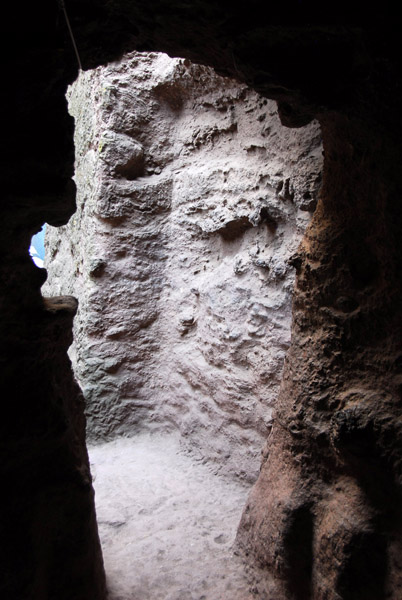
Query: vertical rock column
x: 112, y: 254
x: 49, y: 543
x: 50, y: 546
x: 324, y: 517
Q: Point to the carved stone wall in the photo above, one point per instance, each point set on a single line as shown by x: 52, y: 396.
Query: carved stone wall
x: 192, y: 197
x: 349, y: 78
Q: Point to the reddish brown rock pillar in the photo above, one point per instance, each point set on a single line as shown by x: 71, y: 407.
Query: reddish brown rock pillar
x: 324, y: 519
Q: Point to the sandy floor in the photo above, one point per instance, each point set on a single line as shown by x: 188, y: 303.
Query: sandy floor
x: 167, y: 524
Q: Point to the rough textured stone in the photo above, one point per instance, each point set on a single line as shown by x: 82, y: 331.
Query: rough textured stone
x: 192, y: 198
x: 349, y: 77
x: 334, y: 451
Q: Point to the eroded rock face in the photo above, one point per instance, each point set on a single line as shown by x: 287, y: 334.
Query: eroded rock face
x: 350, y: 79
x: 330, y: 528
x: 191, y: 200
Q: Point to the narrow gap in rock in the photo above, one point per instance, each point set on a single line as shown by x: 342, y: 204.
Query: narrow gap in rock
x: 191, y: 199
x: 37, y: 247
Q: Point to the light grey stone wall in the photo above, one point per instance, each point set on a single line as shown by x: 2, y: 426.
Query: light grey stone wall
x: 191, y: 200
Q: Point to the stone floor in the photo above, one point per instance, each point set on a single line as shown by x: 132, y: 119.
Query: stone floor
x: 167, y: 523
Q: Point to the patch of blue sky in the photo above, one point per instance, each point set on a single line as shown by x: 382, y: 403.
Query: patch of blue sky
x: 37, y: 248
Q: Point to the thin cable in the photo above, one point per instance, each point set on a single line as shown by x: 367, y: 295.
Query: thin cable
x: 63, y: 7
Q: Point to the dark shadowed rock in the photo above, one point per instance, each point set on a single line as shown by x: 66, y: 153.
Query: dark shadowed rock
x: 349, y: 77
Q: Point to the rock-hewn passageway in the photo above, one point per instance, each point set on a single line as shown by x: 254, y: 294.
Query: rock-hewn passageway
x: 167, y: 523
x: 331, y: 480
x: 191, y: 199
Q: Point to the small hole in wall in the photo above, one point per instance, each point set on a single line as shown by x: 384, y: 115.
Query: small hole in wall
x: 37, y: 247
x: 270, y: 222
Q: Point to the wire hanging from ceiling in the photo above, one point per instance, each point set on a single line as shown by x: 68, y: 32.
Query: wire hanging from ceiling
x: 63, y: 8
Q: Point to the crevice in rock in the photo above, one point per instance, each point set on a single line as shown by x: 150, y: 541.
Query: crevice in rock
x: 235, y: 229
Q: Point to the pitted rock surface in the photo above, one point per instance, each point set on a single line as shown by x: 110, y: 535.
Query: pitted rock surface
x: 192, y: 198
x: 331, y: 482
